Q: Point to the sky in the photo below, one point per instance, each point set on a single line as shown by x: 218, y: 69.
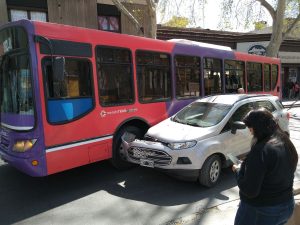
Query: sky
x: 212, y: 15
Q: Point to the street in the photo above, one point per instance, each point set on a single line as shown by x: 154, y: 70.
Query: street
x: 99, y: 194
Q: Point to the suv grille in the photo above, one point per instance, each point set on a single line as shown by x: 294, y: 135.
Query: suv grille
x: 159, y: 158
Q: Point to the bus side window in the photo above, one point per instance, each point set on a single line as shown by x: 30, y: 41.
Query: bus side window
x: 115, y: 77
x: 234, y: 76
x: 267, y: 77
x: 213, y: 76
x: 187, y: 76
x: 153, y: 76
x: 254, y: 77
x: 72, y: 97
x: 274, y: 76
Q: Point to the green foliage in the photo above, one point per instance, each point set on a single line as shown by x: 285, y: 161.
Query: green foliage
x: 177, y: 21
x: 260, y: 25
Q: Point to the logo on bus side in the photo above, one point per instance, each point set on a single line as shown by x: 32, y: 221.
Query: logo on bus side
x: 104, y: 113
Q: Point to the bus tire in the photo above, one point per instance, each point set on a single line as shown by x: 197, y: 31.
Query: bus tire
x: 118, y: 157
x: 210, y: 171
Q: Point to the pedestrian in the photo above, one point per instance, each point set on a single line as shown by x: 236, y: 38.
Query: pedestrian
x: 265, y: 178
x: 291, y: 89
x: 240, y: 90
x: 296, y: 89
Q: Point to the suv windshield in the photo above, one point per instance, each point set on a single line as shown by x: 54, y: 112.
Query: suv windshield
x: 202, y: 114
x: 15, y: 80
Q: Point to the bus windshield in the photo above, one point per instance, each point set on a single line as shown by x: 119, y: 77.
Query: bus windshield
x: 15, y: 80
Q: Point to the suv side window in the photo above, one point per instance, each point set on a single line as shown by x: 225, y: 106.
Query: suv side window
x: 279, y: 104
x: 238, y: 115
x: 265, y: 104
x: 241, y: 112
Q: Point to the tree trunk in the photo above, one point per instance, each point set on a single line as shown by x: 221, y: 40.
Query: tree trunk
x: 277, y: 34
x: 150, y: 25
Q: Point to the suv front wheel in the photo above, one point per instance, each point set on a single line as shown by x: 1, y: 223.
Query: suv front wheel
x: 210, y: 171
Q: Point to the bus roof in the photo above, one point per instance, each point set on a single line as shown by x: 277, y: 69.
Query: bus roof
x: 200, y: 44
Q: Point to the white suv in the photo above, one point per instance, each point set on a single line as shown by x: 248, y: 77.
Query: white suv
x: 194, y: 143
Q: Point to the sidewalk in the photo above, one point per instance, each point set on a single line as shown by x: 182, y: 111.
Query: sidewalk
x: 225, y: 213
x: 290, y: 103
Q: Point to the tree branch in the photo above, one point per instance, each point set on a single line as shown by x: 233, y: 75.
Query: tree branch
x: 291, y: 27
x: 123, y: 9
x: 151, y: 4
x: 270, y: 9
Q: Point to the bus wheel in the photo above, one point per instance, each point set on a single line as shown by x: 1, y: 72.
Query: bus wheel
x: 118, y: 157
x: 210, y: 171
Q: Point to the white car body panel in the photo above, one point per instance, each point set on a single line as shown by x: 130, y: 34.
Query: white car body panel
x: 210, y: 140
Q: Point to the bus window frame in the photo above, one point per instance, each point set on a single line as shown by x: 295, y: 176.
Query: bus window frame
x: 133, y: 83
x: 244, y: 72
x: 262, y: 76
x: 200, y: 76
x: 46, y: 98
x: 168, y: 99
x: 222, y: 77
x: 273, y: 87
x: 270, y: 77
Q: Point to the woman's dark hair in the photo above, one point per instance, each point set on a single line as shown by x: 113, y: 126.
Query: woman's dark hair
x: 262, y: 122
x: 264, y: 125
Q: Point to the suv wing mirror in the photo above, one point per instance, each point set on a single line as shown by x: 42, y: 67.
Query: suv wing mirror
x: 237, y: 125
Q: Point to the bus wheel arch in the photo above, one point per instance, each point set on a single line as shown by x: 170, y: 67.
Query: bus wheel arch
x: 136, y: 126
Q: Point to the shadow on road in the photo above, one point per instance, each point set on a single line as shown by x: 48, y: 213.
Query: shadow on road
x: 23, y: 196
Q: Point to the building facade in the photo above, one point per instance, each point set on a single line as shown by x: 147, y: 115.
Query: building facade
x: 94, y: 14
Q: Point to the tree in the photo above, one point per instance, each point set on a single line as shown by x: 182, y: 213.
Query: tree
x: 167, y: 8
x: 177, y: 21
x: 150, y: 27
x: 279, y: 10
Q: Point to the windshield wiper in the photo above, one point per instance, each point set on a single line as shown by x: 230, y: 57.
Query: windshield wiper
x: 175, y: 119
x: 192, y: 124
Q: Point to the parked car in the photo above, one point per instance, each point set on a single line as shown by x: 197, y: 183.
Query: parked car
x: 194, y: 143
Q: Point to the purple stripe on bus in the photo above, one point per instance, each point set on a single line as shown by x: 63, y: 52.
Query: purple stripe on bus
x: 180, y: 49
x: 17, y: 120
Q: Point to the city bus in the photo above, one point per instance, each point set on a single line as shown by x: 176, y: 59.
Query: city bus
x: 68, y: 94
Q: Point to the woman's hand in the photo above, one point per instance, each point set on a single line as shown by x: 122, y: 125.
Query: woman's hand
x: 236, y: 167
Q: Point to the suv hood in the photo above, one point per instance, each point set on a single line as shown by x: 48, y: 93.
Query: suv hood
x: 169, y: 131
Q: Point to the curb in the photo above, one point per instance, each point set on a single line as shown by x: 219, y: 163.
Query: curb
x: 229, y: 208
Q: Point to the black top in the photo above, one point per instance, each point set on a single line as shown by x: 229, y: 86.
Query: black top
x: 266, y: 175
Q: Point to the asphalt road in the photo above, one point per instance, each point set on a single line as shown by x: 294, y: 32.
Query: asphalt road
x: 99, y: 194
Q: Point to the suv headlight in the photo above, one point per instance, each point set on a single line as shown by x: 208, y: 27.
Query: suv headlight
x: 182, y: 145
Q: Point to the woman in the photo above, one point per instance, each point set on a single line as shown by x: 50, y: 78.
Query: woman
x: 265, y: 178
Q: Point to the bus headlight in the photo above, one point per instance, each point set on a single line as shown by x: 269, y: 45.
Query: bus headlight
x: 182, y: 145
x: 23, y: 145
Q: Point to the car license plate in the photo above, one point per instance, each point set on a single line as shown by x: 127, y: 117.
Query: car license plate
x: 147, y: 163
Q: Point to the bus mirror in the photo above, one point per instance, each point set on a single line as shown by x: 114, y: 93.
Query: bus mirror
x: 58, y: 68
